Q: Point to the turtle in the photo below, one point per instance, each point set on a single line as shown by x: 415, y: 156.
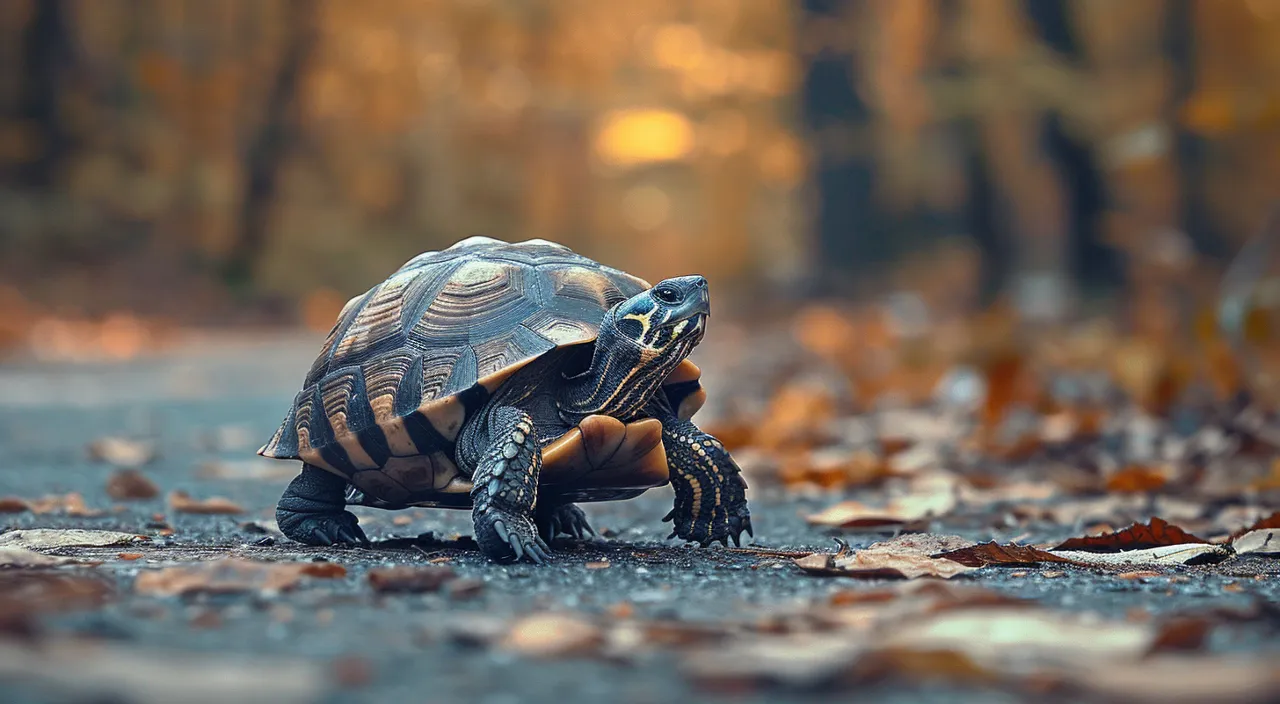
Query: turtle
x: 514, y: 380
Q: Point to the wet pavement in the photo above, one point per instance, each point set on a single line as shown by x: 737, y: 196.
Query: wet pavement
x: 208, y: 406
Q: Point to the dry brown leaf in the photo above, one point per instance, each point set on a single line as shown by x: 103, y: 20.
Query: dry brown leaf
x: 122, y: 452
x: 11, y: 556
x: 1138, y: 479
x: 985, y: 554
x: 935, y: 497
x: 182, y: 502
x: 904, y: 557
x: 1185, y: 633
x: 229, y: 575
x: 405, y: 579
x: 130, y: 484
x: 71, y: 504
x: 552, y: 635
x: 1156, y: 533
x: 12, y: 504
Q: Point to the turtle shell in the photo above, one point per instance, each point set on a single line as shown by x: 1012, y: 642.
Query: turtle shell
x: 411, y: 359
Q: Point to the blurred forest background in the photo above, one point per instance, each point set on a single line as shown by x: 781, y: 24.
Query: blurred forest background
x: 265, y: 159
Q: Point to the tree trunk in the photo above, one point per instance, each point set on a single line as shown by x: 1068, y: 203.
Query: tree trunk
x: 279, y: 134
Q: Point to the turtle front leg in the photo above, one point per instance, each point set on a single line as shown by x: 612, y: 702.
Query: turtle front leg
x: 506, y: 486
x: 711, y: 498
x: 311, y: 511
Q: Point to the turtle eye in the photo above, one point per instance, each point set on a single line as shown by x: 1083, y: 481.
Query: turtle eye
x: 666, y: 294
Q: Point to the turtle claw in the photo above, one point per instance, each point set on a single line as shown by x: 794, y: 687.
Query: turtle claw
x: 337, y: 528
x: 565, y: 519
x: 508, y: 537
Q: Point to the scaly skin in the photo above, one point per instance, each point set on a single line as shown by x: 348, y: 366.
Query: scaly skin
x: 711, y: 500
x: 506, y: 488
x: 312, y: 510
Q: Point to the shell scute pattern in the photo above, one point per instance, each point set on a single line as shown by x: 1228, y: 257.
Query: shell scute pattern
x: 408, y: 361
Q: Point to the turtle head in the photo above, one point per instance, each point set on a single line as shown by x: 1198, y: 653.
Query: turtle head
x: 641, y: 341
x: 667, y: 320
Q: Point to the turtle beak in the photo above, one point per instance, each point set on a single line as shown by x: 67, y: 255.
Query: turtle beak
x: 697, y: 298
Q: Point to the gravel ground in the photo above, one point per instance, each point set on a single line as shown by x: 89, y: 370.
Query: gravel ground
x: 214, y: 401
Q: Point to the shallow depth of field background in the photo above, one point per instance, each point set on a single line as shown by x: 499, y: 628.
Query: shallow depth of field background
x: 173, y: 163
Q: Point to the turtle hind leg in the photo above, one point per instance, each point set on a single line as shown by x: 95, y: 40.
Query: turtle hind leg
x: 506, y: 486
x: 563, y: 519
x: 311, y: 511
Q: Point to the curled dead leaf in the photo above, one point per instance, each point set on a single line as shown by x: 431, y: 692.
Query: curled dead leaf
x: 130, y: 484
x: 1157, y: 533
x: 904, y: 557
x: 182, y: 502
x: 552, y: 635
x: 985, y: 554
x: 934, y: 497
x: 12, y: 504
x: 405, y: 579
x: 122, y: 452
x: 230, y: 575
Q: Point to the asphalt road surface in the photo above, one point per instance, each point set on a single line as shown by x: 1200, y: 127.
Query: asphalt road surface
x: 214, y: 401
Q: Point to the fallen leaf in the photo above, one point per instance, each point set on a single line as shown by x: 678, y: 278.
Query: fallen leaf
x: 1137, y: 479
x: 552, y: 635
x: 229, y: 575
x: 1272, y: 521
x: 36, y: 538
x: 129, y: 556
x: 1179, y: 679
x: 27, y: 593
x: 1140, y: 574
x: 1185, y: 633
x: 130, y: 484
x: 122, y: 452
x: 1157, y: 533
x: 73, y: 670
x: 985, y: 554
x: 463, y: 589
x: 182, y: 502
x: 598, y: 565
x: 904, y: 557
x: 402, y: 520
x: 802, y: 661
x: 1265, y: 541
x: 1186, y: 554
x: 71, y: 504
x: 995, y: 637
x: 11, y: 556
x: 410, y: 579
x: 12, y: 504
x: 936, y: 497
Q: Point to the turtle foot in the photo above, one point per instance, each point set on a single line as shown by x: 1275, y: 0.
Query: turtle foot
x: 336, y: 528
x: 565, y: 519
x: 509, y: 537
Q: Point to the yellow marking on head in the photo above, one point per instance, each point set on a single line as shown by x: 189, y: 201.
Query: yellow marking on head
x: 645, y: 319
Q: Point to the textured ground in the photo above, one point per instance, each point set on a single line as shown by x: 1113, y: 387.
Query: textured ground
x: 215, y: 401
